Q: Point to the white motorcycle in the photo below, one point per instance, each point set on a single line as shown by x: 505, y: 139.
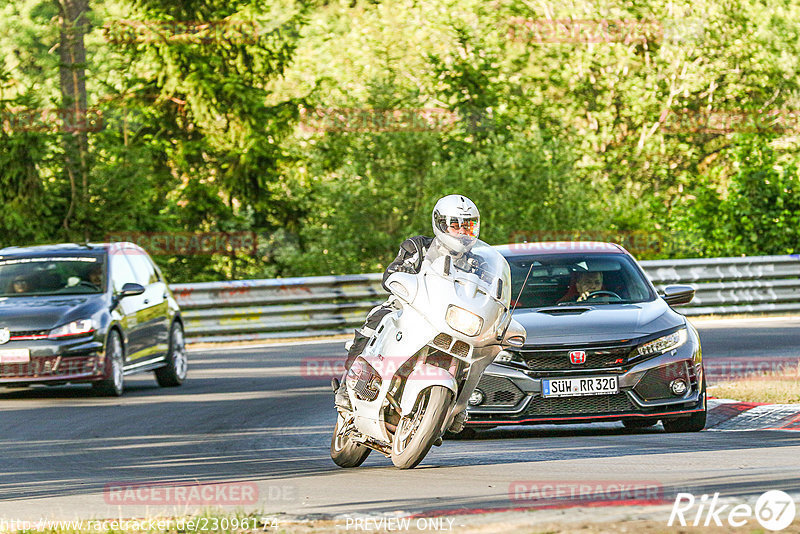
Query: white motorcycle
x: 426, y: 357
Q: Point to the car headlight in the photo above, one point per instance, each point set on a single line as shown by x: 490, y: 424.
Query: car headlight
x: 75, y: 328
x: 463, y: 321
x: 663, y: 344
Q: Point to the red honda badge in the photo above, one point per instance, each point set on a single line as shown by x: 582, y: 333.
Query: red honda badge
x: 577, y: 357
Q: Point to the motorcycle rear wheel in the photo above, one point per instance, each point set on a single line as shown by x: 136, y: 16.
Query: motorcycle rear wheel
x: 344, y: 452
x: 416, y: 433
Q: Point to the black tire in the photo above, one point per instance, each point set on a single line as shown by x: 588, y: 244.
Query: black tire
x: 174, y: 373
x: 428, y: 417
x: 344, y: 452
x: 694, y: 423
x: 113, y: 385
x: 639, y: 423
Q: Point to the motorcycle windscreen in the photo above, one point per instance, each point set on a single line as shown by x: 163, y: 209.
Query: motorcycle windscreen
x: 482, y: 263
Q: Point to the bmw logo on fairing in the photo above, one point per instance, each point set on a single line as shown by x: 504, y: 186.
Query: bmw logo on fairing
x: 5, y: 335
x: 399, y: 336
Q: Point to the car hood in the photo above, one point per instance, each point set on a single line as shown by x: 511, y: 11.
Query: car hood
x: 45, y: 312
x: 599, y: 323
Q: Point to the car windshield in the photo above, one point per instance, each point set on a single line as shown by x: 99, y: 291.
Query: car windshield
x: 577, y: 280
x: 51, y: 275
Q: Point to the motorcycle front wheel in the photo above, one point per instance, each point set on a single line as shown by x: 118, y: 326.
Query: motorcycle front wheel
x: 344, y: 452
x: 417, y: 432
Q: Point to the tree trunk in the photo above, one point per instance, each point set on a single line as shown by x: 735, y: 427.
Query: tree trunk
x: 74, y: 25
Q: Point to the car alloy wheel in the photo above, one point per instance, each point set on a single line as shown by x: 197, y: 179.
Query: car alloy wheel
x: 114, y: 383
x: 177, y: 363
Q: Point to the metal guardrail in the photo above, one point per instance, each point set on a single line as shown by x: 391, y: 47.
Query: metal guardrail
x: 723, y: 286
x: 325, y: 305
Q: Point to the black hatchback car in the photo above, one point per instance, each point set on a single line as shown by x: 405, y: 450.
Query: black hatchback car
x: 602, y: 345
x: 87, y: 313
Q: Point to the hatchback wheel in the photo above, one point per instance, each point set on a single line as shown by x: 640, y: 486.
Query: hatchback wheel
x: 114, y: 383
x: 694, y: 423
x: 174, y: 373
x: 639, y: 423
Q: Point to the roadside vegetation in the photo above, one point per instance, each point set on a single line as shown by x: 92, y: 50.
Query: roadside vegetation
x: 770, y: 391
x: 328, y: 128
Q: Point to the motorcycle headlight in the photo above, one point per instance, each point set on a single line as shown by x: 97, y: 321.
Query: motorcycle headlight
x: 75, y: 328
x: 463, y: 321
x: 663, y: 344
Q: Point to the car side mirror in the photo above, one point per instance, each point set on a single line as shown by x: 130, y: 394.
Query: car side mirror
x: 131, y: 290
x: 128, y: 290
x: 676, y: 295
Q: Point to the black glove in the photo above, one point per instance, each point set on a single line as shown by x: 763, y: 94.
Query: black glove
x: 403, y: 268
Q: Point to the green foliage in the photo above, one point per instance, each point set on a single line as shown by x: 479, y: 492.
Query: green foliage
x: 759, y: 210
x: 282, y: 118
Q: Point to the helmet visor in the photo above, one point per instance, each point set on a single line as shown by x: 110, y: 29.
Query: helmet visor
x: 460, y: 226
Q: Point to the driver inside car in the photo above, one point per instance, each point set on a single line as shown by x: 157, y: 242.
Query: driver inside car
x: 20, y: 285
x: 96, y: 276
x: 585, y: 283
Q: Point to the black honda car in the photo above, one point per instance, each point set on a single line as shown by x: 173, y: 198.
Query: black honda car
x: 602, y: 345
x: 87, y: 313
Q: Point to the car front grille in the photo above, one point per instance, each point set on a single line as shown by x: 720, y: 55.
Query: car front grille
x: 51, y: 367
x: 549, y: 359
x: 28, y: 334
x: 499, y: 392
x: 588, y: 405
x: 654, y: 385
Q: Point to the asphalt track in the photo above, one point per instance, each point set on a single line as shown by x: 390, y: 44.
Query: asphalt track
x: 253, y: 417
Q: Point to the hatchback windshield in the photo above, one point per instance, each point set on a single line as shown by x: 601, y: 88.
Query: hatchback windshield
x: 51, y: 275
x: 577, y: 279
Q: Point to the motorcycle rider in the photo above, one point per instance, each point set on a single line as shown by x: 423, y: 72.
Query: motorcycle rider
x: 456, y: 225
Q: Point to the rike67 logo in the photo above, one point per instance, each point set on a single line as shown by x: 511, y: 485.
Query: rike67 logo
x: 774, y: 510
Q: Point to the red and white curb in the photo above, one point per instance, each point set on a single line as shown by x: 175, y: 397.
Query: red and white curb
x: 725, y: 414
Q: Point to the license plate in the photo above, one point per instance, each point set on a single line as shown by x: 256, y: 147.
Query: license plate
x: 15, y: 356
x: 573, y: 387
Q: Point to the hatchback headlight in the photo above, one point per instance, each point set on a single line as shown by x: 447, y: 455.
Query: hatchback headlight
x: 663, y: 344
x: 81, y: 327
x: 463, y: 321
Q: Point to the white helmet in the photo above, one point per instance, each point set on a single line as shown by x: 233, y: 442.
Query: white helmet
x: 456, y: 223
